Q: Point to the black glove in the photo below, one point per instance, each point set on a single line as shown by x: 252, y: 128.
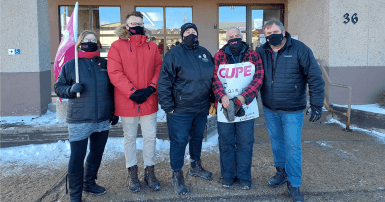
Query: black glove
x: 114, y: 120
x: 148, y: 91
x: 316, y: 113
x: 138, y: 96
x: 76, y: 88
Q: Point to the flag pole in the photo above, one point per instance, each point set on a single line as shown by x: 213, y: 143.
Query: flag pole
x: 76, y: 48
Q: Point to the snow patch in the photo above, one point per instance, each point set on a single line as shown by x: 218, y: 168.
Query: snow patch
x: 49, y: 118
x: 374, y: 108
x: 51, y: 155
x: 372, y: 132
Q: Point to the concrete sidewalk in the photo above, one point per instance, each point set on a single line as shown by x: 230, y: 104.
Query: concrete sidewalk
x: 337, y: 166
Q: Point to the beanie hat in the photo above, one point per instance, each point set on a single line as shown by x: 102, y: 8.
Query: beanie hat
x: 186, y: 26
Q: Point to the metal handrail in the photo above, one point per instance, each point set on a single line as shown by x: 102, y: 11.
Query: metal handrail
x: 347, y: 114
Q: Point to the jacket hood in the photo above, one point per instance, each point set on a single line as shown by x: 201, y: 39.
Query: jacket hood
x: 123, y: 33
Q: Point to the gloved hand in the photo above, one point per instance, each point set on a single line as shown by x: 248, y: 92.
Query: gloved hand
x: 138, y: 96
x: 148, y: 91
x: 114, y: 120
x: 316, y: 113
x: 76, y: 88
x: 212, y: 110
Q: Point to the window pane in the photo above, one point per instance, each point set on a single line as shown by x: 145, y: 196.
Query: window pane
x: 175, y: 18
x: 105, y: 21
x: 257, y: 23
x: 84, y: 18
x: 259, y: 17
x: 231, y: 16
x: 153, y: 21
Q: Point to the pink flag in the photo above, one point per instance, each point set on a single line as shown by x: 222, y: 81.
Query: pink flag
x: 66, y: 50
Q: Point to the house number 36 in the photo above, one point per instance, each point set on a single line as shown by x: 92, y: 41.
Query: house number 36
x: 354, y: 18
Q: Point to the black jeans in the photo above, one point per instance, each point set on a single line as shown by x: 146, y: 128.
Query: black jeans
x: 79, y: 150
x: 183, y: 129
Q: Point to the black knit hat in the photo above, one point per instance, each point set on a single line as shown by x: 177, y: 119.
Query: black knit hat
x: 186, y: 26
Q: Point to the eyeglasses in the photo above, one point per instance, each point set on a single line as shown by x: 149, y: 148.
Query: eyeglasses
x: 90, y: 40
x: 134, y: 24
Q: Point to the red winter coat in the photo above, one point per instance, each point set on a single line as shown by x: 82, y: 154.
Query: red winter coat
x: 133, y: 63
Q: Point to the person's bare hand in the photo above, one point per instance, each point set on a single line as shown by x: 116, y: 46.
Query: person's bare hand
x: 242, y: 99
x: 225, y: 101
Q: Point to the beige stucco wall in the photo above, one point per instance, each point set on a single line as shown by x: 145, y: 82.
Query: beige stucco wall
x: 25, y: 28
x: 309, y: 20
x: 359, y: 44
x: 25, y: 78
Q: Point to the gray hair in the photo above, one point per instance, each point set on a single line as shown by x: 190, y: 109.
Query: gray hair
x: 239, y: 31
x: 273, y: 22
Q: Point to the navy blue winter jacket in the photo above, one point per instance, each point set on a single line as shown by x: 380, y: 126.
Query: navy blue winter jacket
x: 96, y: 102
x: 284, y: 85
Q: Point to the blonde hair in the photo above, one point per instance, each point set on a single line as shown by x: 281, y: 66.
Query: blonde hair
x: 83, y: 35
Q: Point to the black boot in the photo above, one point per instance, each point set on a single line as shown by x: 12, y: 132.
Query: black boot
x: 90, y: 175
x: 133, y: 180
x: 150, y: 178
x: 196, y: 169
x: 178, y: 183
x: 279, y: 178
x: 295, y: 193
x: 76, y: 186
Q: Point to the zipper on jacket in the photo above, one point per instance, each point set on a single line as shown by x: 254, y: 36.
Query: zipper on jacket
x: 96, y: 92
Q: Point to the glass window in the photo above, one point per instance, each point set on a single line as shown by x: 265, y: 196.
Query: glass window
x: 165, y: 33
x: 102, y: 20
x: 260, y: 15
x: 231, y: 16
x: 153, y: 21
x: 175, y: 18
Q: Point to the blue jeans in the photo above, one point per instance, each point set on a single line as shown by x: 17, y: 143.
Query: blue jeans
x: 183, y: 129
x: 236, y: 142
x: 285, y: 136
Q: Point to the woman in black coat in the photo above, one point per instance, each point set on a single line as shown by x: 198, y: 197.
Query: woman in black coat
x: 89, y: 116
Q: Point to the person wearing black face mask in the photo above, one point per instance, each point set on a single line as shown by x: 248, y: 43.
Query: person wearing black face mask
x: 133, y: 66
x: 86, y: 122
x: 236, y: 139
x: 184, y: 88
x: 289, y: 67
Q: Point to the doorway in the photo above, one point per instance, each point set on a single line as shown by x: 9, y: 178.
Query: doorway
x: 249, y: 19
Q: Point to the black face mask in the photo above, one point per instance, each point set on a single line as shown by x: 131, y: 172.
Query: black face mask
x: 275, y: 39
x: 191, y: 39
x: 235, y: 45
x: 89, y: 47
x: 136, y: 30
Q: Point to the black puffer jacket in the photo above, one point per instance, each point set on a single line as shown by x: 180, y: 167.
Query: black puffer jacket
x: 284, y: 86
x: 185, y: 83
x: 96, y: 102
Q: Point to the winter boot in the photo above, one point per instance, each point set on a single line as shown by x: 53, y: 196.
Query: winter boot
x: 150, y: 178
x: 295, y: 193
x: 76, y: 186
x: 178, y: 183
x: 133, y: 180
x: 244, y: 184
x: 196, y: 169
x: 227, y: 182
x: 279, y: 178
x: 90, y: 175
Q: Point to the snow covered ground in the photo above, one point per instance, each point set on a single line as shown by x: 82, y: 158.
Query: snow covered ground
x: 375, y: 108
x: 58, y: 153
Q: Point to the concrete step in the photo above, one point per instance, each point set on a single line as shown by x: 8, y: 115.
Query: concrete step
x: 361, y: 119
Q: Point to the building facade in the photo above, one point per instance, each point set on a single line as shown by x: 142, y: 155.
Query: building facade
x: 345, y: 34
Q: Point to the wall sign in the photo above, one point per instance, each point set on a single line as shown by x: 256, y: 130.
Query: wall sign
x: 354, y: 18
